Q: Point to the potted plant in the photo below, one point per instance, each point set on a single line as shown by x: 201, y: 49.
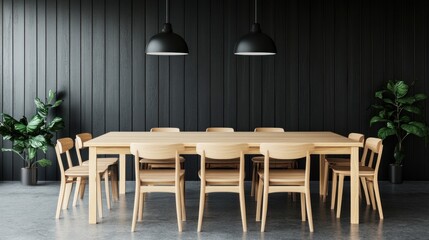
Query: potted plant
x: 396, y: 110
x: 30, y: 136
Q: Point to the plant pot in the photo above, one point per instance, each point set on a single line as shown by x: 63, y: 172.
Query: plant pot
x: 29, y: 176
x: 395, y: 173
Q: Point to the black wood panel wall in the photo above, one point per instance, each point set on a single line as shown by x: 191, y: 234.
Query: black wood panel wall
x: 332, y: 56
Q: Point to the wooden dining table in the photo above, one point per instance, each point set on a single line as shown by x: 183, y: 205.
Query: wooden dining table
x: 324, y: 143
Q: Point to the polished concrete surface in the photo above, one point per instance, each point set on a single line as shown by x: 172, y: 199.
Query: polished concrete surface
x: 28, y: 213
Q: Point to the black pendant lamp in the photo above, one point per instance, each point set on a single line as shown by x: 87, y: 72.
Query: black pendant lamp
x: 255, y: 43
x: 167, y: 43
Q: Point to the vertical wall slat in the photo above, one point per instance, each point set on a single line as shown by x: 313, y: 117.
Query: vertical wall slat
x: 139, y: 62
x: 177, y: 69
x: 243, y: 83
x: 112, y: 97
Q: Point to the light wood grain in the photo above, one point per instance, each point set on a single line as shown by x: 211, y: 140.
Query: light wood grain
x: 119, y: 142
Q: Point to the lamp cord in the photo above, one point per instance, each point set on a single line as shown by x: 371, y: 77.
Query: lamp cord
x: 167, y: 20
x: 256, y: 11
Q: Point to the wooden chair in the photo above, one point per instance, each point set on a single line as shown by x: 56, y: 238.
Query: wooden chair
x: 329, y: 162
x: 112, y: 164
x: 222, y: 180
x: 233, y: 163
x: 284, y: 180
x: 158, y: 180
x: 69, y: 176
x: 168, y: 164
x: 258, y: 161
x: 368, y: 172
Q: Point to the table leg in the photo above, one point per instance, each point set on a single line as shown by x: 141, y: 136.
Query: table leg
x: 321, y: 174
x: 92, y: 181
x: 122, y: 169
x: 354, y: 182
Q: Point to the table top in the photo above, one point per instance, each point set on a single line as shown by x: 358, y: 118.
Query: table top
x: 190, y: 139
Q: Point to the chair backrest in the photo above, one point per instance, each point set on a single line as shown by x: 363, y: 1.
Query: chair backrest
x: 286, y: 151
x: 375, y: 147
x: 221, y: 151
x: 269, y: 129
x: 357, y: 137
x: 219, y: 129
x: 159, y: 151
x: 80, y: 139
x: 63, y: 146
x: 164, y: 129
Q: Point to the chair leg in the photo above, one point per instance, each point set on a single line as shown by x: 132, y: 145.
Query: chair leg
x: 252, y: 188
x: 365, y: 190
x: 243, y: 208
x: 340, y: 194
x: 136, y: 208
x: 303, y: 206
x: 99, y: 202
x: 378, y: 198
x: 334, y: 189
x: 371, y: 194
x: 60, y: 199
x: 107, y: 190
x: 77, y: 190
x: 141, y: 207
x: 82, y: 188
x: 69, y: 186
x: 114, y: 182
x: 201, y: 212
x: 259, y: 200
x: 309, y: 211
x: 264, y: 209
x: 178, y: 207
x: 182, y: 198
x: 325, y: 181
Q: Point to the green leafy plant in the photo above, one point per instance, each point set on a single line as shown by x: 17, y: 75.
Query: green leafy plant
x: 396, y: 109
x: 29, y: 136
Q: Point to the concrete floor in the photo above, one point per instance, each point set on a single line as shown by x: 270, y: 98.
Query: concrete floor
x: 28, y: 213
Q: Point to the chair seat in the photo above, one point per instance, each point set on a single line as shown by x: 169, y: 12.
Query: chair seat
x: 363, y: 170
x: 221, y: 175
x: 285, y: 175
x: 159, y: 175
x: 83, y: 170
x: 338, y: 161
x: 108, y: 161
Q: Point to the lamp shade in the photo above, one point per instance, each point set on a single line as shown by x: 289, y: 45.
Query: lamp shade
x: 255, y: 43
x: 167, y: 43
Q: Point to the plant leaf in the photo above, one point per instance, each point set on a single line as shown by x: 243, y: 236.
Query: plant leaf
x: 56, y: 124
x: 388, y: 100
x: 10, y: 150
x: 57, y: 103
x: 37, y: 142
x: 51, y: 96
x: 375, y: 106
x: 412, y: 129
x: 31, y: 152
x: 39, y: 103
x: 44, y: 162
x: 21, y: 128
x: 412, y: 109
x: 376, y: 119
x: 34, y: 123
x: 390, y: 124
x: 384, y: 132
x: 379, y: 94
x: 401, y: 89
x: 407, y: 100
x: 420, y: 96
